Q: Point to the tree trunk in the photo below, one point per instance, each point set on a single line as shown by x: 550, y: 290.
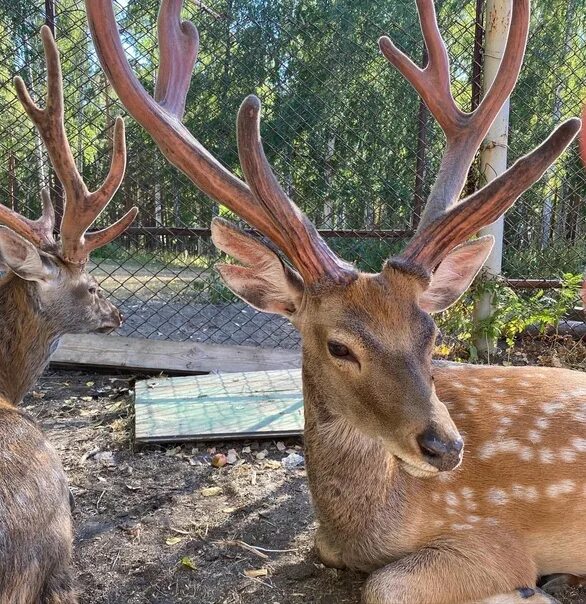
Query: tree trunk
x: 551, y: 192
x: 329, y: 218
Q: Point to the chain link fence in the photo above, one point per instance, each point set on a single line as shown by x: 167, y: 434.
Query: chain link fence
x: 349, y: 139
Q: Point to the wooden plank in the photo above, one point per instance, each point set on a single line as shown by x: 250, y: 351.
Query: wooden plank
x: 238, y: 405
x: 171, y: 357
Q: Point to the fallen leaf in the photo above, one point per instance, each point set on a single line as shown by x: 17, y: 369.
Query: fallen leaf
x: 188, y: 563
x: 254, y: 573
x: 272, y: 464
x: 173, y: 540
x: 211, y: 491
x: 89, y: 384
x: 219, y: 460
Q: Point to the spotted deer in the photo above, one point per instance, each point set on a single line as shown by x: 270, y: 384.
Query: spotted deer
x: 396, y: 491
x: 46, y: 293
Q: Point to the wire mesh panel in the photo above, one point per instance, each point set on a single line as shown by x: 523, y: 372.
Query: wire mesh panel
x: 351, y: 142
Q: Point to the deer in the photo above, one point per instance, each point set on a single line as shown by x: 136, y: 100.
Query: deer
x: 448, y: 483
x: 46, y: 293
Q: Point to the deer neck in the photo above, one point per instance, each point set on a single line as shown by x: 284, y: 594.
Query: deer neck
x: 27, y: 337
x: 352, y: 478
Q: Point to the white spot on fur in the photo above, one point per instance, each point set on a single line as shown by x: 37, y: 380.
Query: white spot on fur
x: 488, y: 450
x: 467, y: 492
x: 497, y: 496
x: 568, y: 455
x: 452, y: 499
x: 506, y: 421
x: 542, y: 423
x: 526, y: 493
x: 579, y: 444
x: 492, y: 521
x: 561, y: 488
x: 526, y: 454
x: 435, y: 497
x: 580, y: 414
x: 524, y: 384
x: 498, y: 380
x: 553, y: 407
x: 462, y: 527
x: 498, y: 406
x: 509, y: 445
x: 546, y: 456
x: 534, y: 436
x: 446, y: 476
x: 473, y: 519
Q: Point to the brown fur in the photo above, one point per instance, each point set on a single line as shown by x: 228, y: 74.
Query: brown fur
x: 35, y: 518
x: 34, y: 316
x: 478, y: 533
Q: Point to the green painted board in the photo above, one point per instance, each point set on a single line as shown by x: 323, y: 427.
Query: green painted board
x: 227, y: 405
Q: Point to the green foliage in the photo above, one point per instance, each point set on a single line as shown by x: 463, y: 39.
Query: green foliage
x: 513, y: 311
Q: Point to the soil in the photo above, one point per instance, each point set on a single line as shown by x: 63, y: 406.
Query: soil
x: 148, y: 531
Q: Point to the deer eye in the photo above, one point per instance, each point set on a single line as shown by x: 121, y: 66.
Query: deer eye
x: 93, y: 290
x: 340, y: 351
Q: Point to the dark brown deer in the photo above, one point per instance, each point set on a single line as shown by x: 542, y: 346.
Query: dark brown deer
x: 46, y: 293
x: 394, y: 493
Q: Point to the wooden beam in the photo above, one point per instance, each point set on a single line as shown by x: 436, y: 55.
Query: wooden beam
x: 180, y: 358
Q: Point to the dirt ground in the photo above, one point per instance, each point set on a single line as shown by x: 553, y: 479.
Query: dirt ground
x: 161, y: 525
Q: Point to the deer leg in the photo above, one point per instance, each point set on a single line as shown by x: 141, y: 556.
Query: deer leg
x: 483, y: 569
x: 328, y: 553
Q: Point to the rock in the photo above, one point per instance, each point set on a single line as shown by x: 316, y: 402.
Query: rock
x: 293, y: 460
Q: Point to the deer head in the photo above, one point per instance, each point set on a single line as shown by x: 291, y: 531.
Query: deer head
x: 68, y: 297
x: 367, y: 338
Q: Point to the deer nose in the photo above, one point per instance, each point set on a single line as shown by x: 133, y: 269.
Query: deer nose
x: 440, y: 453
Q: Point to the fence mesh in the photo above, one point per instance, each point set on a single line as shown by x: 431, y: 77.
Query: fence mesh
x: 350, y: 140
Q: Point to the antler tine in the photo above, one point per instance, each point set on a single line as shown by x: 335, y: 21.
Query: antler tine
x: 179, y: 45
x: 38, y: 232
x: 291, y: 229
x: 170, y: 135
x: 430, y: 246
x: 160, y: 117
x: 464, y: 131
x: 81, y: 206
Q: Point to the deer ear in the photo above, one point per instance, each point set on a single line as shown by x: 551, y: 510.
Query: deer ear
x: 455, y: 274
x: 264, y: 281
x: 23, y: 258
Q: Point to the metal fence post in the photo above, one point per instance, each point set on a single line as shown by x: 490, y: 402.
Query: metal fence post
x: 493, y: 157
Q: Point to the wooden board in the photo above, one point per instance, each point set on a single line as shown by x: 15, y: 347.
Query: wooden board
x: 237, y: 405
x: 171, y: 357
